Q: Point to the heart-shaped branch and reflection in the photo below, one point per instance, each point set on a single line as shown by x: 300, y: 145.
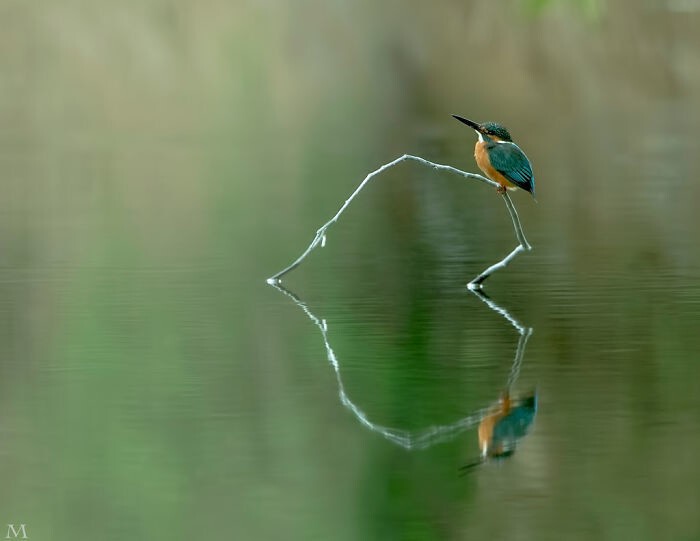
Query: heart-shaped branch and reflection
x: 497, y: 434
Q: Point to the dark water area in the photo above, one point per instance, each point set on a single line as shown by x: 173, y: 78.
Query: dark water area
x: 160, y: 161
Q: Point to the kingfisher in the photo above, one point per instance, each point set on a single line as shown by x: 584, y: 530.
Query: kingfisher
x: 500, y: 158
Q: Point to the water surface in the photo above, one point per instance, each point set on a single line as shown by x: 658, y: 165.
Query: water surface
x: 160, y: 161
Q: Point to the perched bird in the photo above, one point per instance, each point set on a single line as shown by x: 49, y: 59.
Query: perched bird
x: 500, y: 158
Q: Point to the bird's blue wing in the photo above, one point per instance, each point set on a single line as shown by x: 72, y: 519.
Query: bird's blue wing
x: 511, y: 162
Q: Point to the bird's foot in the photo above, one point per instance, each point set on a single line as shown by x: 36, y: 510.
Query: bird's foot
x: 501, y: 189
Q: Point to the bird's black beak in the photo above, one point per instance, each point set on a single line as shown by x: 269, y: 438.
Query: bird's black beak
x: 468, y: 122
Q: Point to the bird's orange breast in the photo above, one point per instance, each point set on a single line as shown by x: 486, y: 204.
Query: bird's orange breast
x: 481, y: 156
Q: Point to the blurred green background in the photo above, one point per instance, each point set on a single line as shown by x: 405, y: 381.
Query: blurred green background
x: 159, y: 160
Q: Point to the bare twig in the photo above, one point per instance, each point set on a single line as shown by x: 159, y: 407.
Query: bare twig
x: 476, y: 282
x: 320, y: 237
x: 522, y: 246
x: 516, y: 222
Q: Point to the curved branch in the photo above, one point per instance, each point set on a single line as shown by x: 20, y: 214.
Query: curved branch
x: 320, y: 237
x: 516, y: 222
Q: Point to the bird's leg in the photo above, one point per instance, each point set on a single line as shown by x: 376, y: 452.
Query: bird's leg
x: 501, y: 189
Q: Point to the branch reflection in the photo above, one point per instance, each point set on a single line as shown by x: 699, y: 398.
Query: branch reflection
x: 498, y: 422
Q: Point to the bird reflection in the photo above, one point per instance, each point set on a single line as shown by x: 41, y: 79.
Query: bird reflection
x: 500, y: 425
x: 500, y: 430
x: 512, y: 416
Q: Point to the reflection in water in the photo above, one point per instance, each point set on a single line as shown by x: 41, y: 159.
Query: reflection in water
x: 506, y: 423
x: 503, y: 419
x: 511, y: 417
x: 523, y: 331
x: 500, y: 430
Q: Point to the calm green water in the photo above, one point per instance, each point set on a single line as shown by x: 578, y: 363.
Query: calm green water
x: 160, y: 160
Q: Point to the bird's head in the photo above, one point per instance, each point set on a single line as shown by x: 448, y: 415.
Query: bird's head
x: 489, y: 130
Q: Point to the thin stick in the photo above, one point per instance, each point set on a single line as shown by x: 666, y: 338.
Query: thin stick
x: 516, y: 222
x: 523, y: 245
x: 320, y: 237
x: 476, y: 282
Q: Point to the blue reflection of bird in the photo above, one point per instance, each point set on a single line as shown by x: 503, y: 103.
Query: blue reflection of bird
x: 501, y: 429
